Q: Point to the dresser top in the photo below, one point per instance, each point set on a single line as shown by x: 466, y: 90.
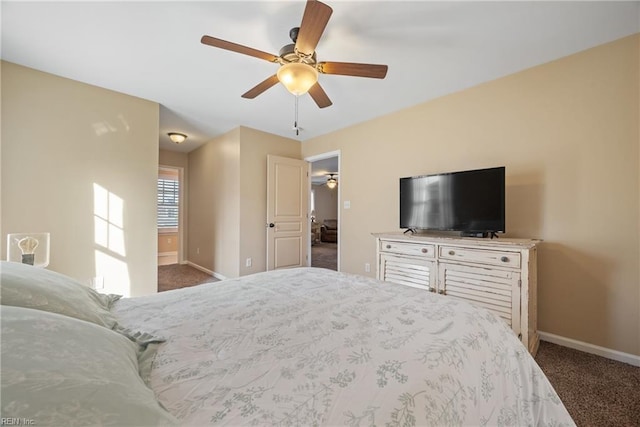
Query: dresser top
x: 501, y: 242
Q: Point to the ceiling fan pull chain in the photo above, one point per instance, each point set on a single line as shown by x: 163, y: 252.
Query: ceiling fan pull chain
x: 295, y: 121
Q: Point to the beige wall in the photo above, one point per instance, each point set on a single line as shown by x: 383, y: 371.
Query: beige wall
x: 167, y: 242
x: 254, y: 147
x: 78, y: 159
x: 568, y: 133
x: 214, y: 205
x: 326, y: 202
x: 228, y: 197
x: 173, y: 158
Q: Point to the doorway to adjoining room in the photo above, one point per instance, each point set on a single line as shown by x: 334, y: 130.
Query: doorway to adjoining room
x: 324, y: 224
x: 169, y: 190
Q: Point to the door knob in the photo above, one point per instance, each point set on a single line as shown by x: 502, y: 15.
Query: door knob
x: 271, y: 225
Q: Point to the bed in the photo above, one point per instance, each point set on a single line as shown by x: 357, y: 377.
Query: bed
x: 302, y: 346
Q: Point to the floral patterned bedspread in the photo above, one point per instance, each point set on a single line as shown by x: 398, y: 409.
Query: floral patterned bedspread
x: 314, y: 347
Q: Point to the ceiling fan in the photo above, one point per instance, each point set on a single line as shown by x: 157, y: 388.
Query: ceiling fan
x: 299, y: 67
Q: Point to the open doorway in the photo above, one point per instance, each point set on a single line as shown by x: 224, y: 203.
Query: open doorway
x: 325, y: 212
x: 169, y: 215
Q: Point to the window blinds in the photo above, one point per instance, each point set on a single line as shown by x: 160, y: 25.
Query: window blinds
x: 168, y: 203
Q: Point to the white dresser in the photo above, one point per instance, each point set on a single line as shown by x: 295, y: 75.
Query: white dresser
x: 497, y: 274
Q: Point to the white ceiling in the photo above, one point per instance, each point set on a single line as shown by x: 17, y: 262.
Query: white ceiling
x: 321, y: 169
x: 152, y: 50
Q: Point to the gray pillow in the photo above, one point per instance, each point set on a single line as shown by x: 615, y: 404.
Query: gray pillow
x: 22, y: 285
x: 57, y: 370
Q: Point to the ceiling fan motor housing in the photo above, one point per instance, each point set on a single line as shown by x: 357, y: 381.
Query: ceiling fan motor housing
x: 293, y: 33
x: 288, y: 54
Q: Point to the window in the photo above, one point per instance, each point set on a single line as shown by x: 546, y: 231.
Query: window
x: 168, y: 203
x: 313, y: 205
x: 313, y: 200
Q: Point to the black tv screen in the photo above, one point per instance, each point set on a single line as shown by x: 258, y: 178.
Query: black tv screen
x: 467, y: 201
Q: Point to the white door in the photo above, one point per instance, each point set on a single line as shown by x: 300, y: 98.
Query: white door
x: 287, y: 207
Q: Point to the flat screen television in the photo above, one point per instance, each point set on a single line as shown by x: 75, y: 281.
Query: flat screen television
x: 472, y: 202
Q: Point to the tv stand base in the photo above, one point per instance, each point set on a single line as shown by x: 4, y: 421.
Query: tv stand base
x: 479, y: 234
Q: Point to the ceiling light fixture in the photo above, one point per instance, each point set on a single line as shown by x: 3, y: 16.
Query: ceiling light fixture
x: 297, y: 77
x: 178, y: 138
x: 332, y: 182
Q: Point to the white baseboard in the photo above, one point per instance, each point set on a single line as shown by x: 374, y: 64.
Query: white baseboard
x: 167, y: 253
x: 631, y: 359
x: 167, y: 258
x: 205, y: 270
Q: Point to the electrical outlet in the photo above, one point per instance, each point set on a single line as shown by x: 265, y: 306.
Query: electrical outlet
x: 169, y: 240
x: 197, y: 251
x: 367, y: 267
x: 248, y: 262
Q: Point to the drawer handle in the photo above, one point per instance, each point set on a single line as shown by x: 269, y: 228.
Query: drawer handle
x: 504, y: 259
x: 441, y: 291
x: 388, y: 246
x: 452, y: 253
x: 424, y: 250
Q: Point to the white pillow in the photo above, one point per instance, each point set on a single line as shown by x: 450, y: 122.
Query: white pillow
x: 23, y: 285
x: 61, y: 371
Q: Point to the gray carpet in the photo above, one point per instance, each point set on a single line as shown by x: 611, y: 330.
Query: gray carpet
x: 176, y: 276
x: 596, y: 391
x: 325, y: 255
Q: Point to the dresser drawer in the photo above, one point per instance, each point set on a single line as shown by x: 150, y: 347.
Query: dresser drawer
x: 413, y: 249
x: 482, y: 256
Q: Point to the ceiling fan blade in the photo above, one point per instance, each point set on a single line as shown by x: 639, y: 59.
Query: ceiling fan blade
x: 353, y: 69
x: 261, y: 87
x: 319, y: 96
x: 315, y: 18
x: 234, y: 47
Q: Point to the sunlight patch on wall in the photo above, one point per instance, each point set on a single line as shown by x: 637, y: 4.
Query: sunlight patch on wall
x: 108, y: 214
x: 103, y: 128
x: 115, y: 273
x: 109, y: 237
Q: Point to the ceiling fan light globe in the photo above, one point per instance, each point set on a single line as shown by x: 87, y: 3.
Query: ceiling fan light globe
x: 332, y: 182
x: 297, y: 77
